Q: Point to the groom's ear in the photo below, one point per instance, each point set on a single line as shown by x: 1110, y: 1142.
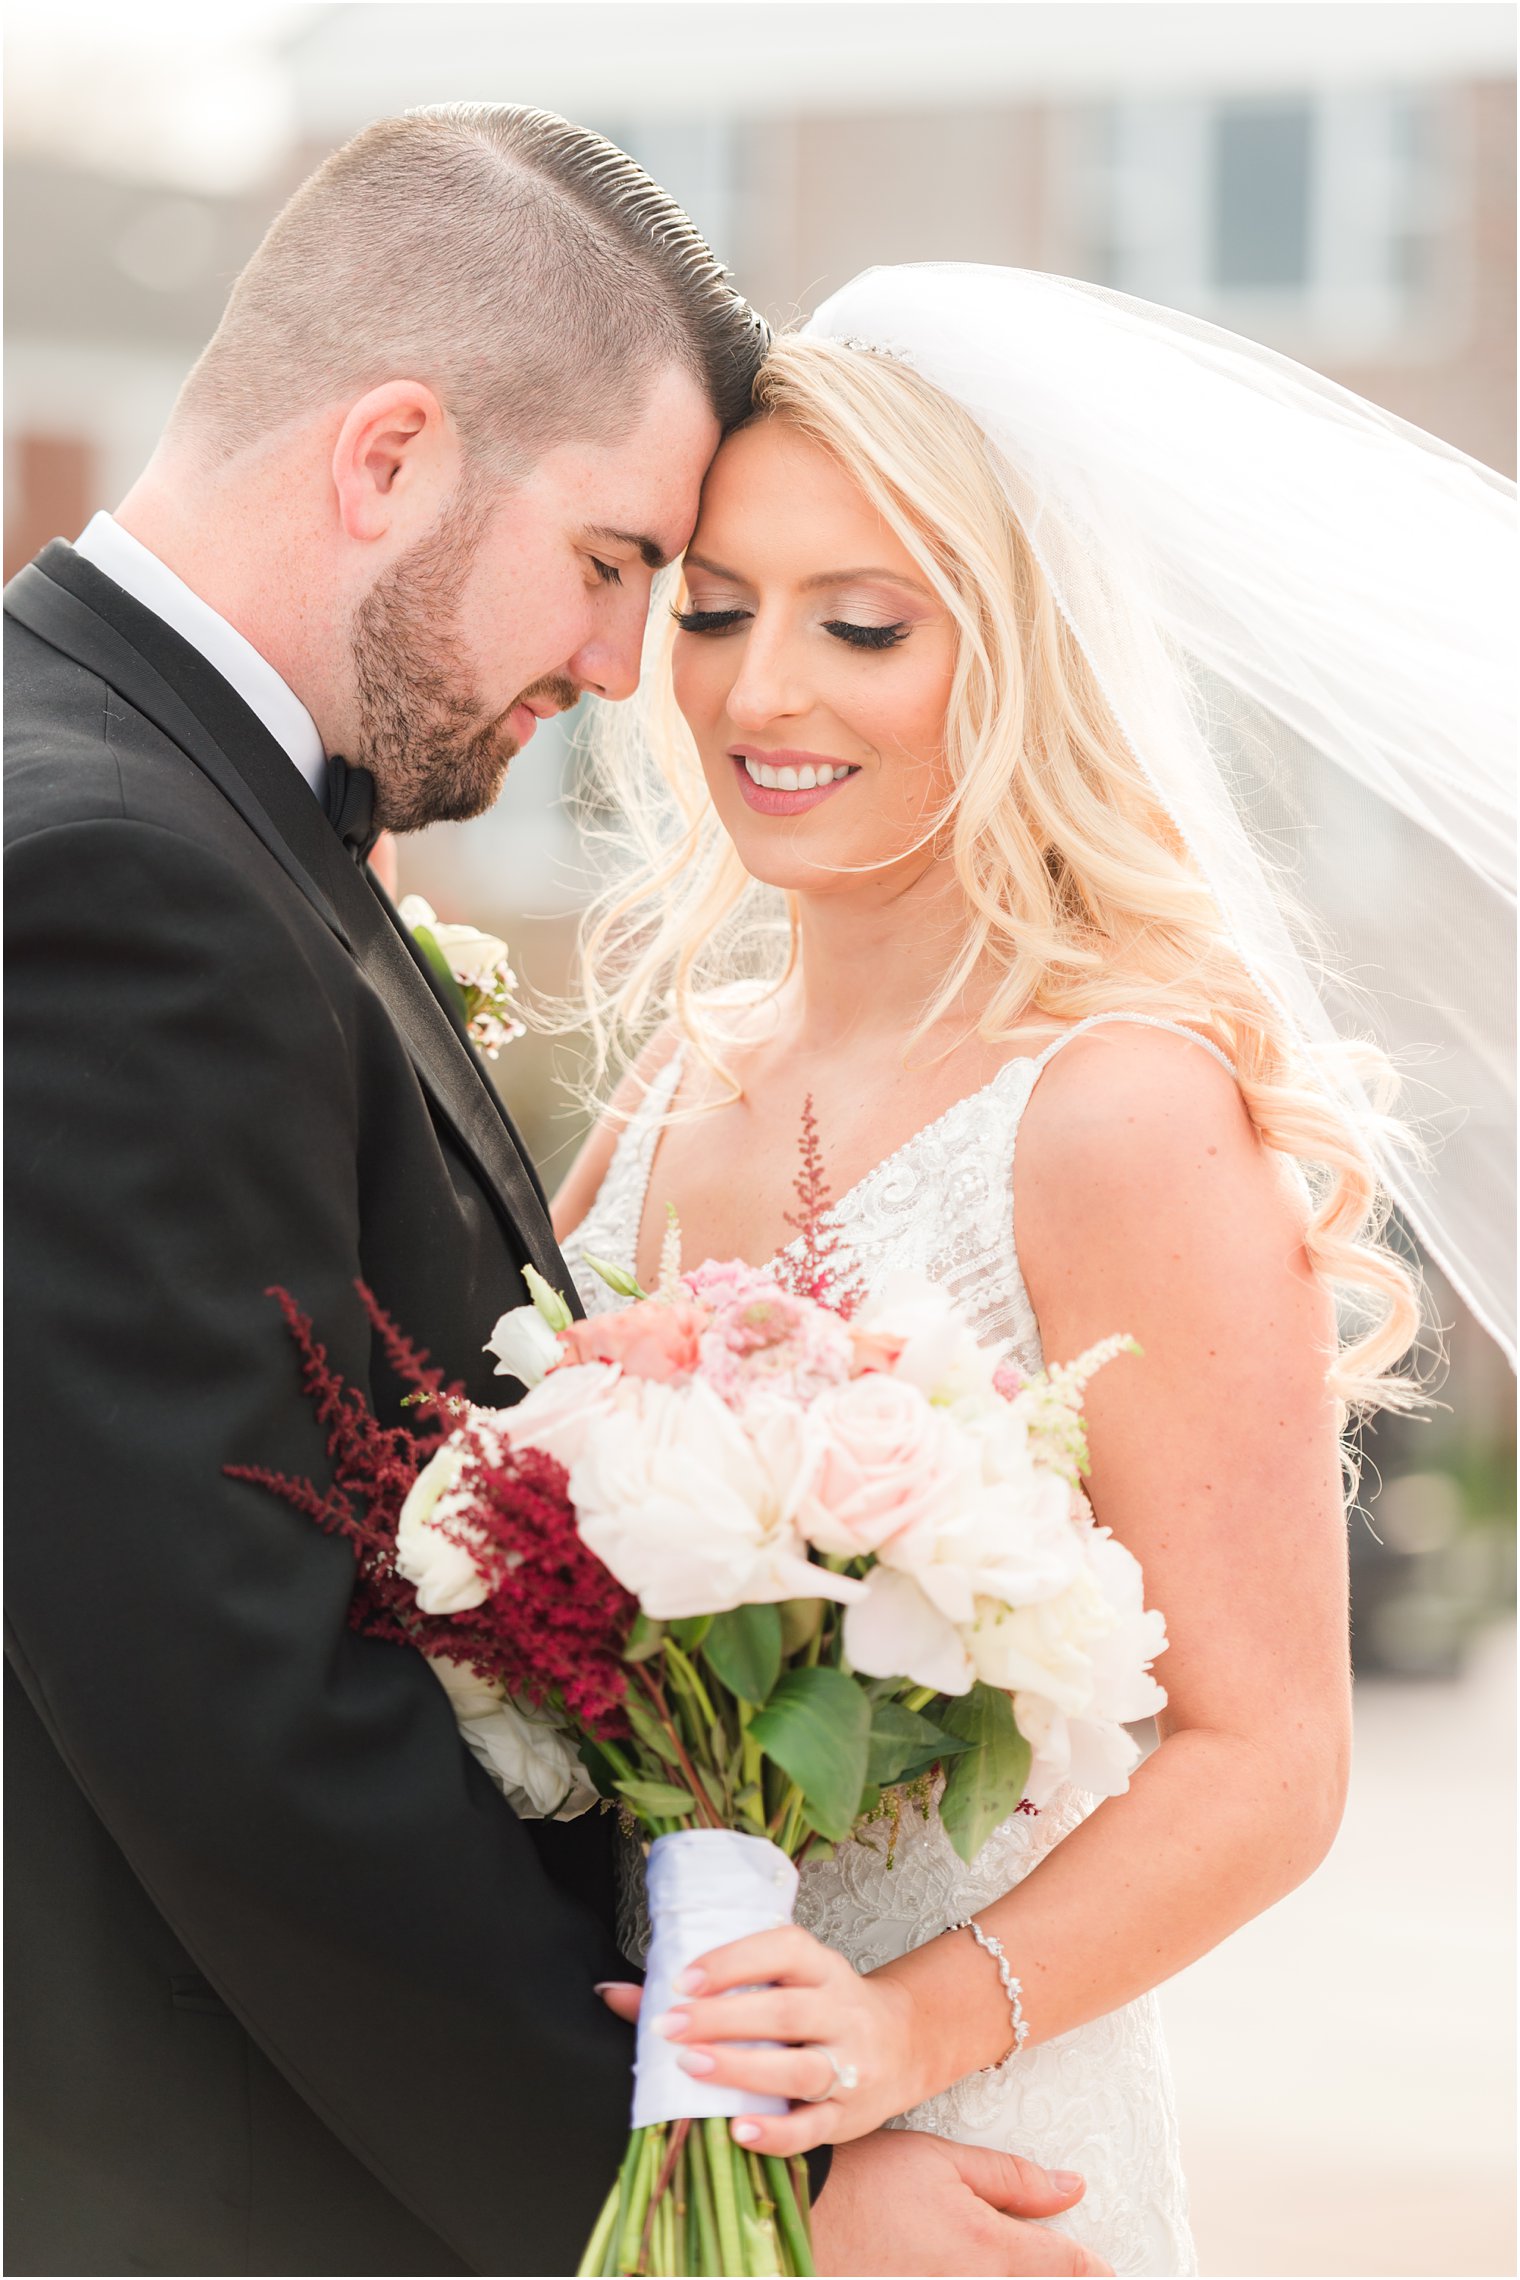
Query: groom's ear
x: 395, y: 461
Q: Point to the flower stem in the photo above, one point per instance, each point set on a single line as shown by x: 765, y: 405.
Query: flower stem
x: 594, y: 2261
x: 791, y: 2217
x: 631, y: 2232
x: 708, y: 2252
x: 656, y: 1693
x: 721, y: 2165
x: 659, y: 2198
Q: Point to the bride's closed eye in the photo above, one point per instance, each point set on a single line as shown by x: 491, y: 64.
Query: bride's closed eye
x: 857, y: 636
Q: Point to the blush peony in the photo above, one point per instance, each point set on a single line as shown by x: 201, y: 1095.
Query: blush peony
x: 690, y: 1511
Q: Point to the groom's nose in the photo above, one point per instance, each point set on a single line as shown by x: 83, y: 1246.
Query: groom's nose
x: 608, y: 663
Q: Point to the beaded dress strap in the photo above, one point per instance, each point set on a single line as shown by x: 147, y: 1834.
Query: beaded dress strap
x: 1143, y: 1021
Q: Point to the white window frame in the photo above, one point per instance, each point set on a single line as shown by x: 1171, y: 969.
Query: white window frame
x: 1150, y: 203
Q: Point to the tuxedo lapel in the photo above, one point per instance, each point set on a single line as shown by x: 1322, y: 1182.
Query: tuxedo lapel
x: 79, y: 611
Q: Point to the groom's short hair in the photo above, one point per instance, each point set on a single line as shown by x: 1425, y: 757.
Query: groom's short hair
x: 524, y: 267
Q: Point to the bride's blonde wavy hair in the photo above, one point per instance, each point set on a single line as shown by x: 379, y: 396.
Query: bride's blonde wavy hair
x: 1080, y: 897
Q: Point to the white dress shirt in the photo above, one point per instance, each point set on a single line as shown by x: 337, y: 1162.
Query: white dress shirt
x: 126, y: 560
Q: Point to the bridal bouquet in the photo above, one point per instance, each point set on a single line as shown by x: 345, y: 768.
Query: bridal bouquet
x: 747, y: 1555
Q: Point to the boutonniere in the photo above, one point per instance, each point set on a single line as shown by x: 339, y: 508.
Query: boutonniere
x: 474, y: 968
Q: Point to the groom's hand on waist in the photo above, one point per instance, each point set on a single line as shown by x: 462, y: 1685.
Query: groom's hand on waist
x: 901, y: 2201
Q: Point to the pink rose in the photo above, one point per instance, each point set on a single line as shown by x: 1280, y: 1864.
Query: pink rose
x: 659, y: 1339
x: 885, y: 1468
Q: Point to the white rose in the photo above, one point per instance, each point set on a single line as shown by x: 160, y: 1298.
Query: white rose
x: 563, y: 1412
x: 940, y: 1356
x: 1097, y: 1756
x: 691, y: 1512
x: 1010, y: 1539
x: 895, y: 1632
x: 531, y: 1760
x: 472, y: 957
x: 1084, y: 1741
x: 524, y: 1345
x: 1045, y: 1648
x: 446, y: 1577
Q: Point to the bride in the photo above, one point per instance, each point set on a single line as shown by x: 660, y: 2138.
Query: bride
x: 938, y: 837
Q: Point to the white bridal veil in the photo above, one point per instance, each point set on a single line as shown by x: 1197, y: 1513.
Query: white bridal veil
x: 1301, y: 611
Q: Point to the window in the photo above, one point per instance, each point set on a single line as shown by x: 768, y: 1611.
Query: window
x: 1261, y: 163
x: 1316, y: 219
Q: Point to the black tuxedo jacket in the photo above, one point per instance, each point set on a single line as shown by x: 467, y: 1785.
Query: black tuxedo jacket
x: 291, y: 1988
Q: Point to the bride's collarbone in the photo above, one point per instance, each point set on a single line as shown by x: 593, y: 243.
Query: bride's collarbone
x: 729, y: 1167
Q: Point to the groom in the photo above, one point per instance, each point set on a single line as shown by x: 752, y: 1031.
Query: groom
x: 291, y: 1988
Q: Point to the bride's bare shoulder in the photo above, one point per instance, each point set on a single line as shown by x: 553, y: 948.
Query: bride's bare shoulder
x: 1139, y: 1166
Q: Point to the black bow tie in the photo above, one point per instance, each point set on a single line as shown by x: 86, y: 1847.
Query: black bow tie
x: 350, y: 807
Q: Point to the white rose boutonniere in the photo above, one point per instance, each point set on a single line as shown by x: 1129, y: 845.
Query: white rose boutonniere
x: 475, y: 967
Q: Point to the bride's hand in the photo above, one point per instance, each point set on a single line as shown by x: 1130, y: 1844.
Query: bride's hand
x: 854, y: 2054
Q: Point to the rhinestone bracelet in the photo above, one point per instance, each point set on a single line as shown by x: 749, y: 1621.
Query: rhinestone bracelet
x: 1011, y: 1987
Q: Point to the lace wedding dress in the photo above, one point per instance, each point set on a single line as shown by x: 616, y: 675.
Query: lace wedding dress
x: 1099, y: 2099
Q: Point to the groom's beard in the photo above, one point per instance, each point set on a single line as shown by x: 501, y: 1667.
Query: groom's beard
x: 436, y: 754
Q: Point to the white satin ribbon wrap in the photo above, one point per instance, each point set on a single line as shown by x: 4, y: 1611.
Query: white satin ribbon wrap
x: 706, y: 1887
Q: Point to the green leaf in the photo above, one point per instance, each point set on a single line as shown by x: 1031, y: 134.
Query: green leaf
x: 427, y: 942
x: 744, y: 1649
x: 658, y: 1800
x: 649, y: 1730
x: 644, y: 1640
x: 801, y: 1621
x: 603, y: 1773
x: 985, y: 1784
x: 689, y: 1631
x: 817, y: 1728
x: 904, y: 1744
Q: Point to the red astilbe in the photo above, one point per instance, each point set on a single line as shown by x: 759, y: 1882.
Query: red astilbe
x: 374, y: 1465
x: 556, y: 1619
x: 822, y: 1272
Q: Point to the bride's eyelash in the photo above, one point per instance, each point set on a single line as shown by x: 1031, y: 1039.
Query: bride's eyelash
x: 609, y: 574
x: 707, y: 621
x: 867, y: 636
x: 857, y: 636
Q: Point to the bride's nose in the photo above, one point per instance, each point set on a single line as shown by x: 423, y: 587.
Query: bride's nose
x: 768, y: 684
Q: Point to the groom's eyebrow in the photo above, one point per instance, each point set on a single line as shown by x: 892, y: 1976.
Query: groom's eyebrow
x: 654, y: 557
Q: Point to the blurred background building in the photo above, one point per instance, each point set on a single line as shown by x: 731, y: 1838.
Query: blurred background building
x: 1333, y: 177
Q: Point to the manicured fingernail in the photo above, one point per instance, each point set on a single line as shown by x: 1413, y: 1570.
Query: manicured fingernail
x: 1064, y: 2180
x: 696, y: 2062
x: 614, y: 1986
x: 671, y: 2024
x: 689, y: 1982
x: 746, y: 2132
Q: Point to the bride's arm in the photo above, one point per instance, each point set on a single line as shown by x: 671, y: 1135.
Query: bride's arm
x: 578, y: 1190
x: 1145, y: 1203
